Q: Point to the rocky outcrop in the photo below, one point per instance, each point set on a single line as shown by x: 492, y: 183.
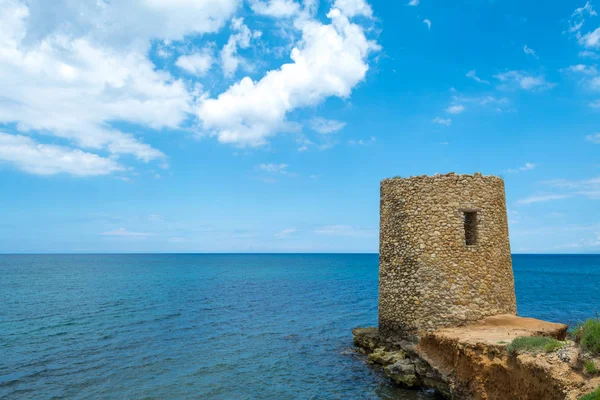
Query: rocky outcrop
x: 472, y: 362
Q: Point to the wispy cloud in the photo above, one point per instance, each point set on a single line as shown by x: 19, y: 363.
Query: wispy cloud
x: 542, y: 198
x: 473, y: 75
x: 122, y: 232
x: 589, y: 54
x: 578, y: 18
x: 362, y: 142
x: 428, y: 23
x: 344, y: 230
x: 594, y: 104
x: 442, y: 121
x: 523, y: 81
x: 529, y: 51
x: 285, y: 233
x: 414, y: 3
x: 527, y: 167
x: 589, y: 188
x: 46, y: 159
x: 595, y: 138
x: 583, y: 69
x: 325, y: 126
x: 274, y: 168
x: 455, y: 109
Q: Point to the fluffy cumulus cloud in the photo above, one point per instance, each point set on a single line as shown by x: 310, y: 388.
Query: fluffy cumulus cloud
x: 328, y: 61
x: 74, y: 69
x: 198, y: 63
x: 352, y: 8
x: 81, y: 71
x: 127, y: 23
x: 275, y: 8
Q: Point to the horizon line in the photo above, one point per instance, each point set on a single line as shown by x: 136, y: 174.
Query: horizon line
x: 256, y: 253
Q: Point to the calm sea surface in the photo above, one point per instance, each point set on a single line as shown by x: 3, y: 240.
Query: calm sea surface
x: 220, y: 326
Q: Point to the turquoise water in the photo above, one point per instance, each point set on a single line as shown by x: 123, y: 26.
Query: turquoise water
x: 220, y: 326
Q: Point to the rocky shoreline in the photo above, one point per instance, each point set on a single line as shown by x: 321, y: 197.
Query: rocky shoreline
x: 472, y: 362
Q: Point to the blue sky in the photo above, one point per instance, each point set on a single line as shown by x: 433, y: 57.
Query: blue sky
x: 266, y: 126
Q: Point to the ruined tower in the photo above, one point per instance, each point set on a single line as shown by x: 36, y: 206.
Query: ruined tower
x: 444, y: 252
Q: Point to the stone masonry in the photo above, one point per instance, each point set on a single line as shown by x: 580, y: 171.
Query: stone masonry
x: 444, y: 253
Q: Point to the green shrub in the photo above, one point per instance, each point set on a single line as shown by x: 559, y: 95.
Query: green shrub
x: 533, y: 344
x: 590, y: 367
x: 589, y: 336
x: 595, y: 395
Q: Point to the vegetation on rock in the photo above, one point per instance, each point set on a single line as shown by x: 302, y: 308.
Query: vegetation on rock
x: 590, y: 367
x: 588, y: 336
x: 533, y: 344
x: 595, y: 395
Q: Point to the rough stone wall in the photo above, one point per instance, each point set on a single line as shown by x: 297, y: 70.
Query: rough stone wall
x: 428, y: 276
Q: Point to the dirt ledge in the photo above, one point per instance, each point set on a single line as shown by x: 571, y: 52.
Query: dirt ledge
x: 471, y: 362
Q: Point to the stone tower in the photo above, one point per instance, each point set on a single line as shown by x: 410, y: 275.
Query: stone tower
x: 444, y: 253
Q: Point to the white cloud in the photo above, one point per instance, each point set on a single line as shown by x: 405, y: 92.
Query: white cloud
x: 583, y: 69
x: 595, y: 138
x: 524, y: 80
x: 578, y: 18
x: 594, y: 104
x: 442, y: 121
x: 428, y: 23
x: 285, y: 233
x: 455, y: 109
x: 44, y: 159
x: 275, y: 8
x: 473, y: 75
x: 485, y: 101
x: 529, y: 51
x: 594, y: 83
x: 330, y: 60
x: 589, y: 54
x: 362, y: 142
x: 414, y: 3
x: 589, y: 188
x: 72, y: 69
x: 274, y: 168
x: 326, y: 126
x: 542, y: 198
x: 591, y: 40
x: 197, y: 63
x: 352, y: 8
x: 343, y: 230
x: 527, y: 167
x: 131, y: 23
x: 240, y: 38
x: 122, y: 232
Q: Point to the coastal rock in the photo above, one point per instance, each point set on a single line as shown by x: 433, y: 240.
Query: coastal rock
x: 472, y: 362
x: 382, y: 356
x: 403, y: 373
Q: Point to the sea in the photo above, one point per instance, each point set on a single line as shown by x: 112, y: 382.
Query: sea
x: 222, y: 326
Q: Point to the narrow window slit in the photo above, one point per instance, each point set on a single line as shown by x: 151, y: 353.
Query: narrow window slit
x: 470, y: 218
